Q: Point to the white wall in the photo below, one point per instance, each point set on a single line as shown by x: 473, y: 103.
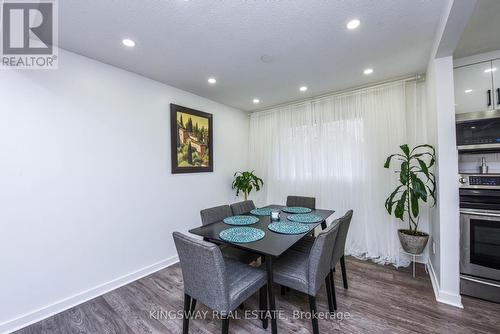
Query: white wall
x: 87, y: 200
x: 445, y: 228
x: 444, y: 259
x: 431, y: 126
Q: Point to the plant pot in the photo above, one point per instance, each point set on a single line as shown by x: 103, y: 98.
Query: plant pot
x: 413, y: 243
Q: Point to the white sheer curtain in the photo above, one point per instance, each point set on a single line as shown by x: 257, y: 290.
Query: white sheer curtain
x: 334, y: 148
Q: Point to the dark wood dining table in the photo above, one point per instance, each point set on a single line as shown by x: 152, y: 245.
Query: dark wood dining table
x: 270, y: 247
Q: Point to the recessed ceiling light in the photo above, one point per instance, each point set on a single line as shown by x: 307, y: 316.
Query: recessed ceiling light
x: 303, y: 88
x: 353, y: 24
x: 467, y: 91
x: 256, y: 101
x: 368, y: 71
x: 212, y: 81
x: 489, y: 70
x: 128, y: 42
x: 267, y: 58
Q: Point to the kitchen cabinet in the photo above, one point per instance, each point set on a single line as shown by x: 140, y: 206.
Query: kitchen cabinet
x: 495, y: 68
x: 474, y: 89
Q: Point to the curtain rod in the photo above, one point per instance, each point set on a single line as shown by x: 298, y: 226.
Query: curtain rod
x: 417, y: 77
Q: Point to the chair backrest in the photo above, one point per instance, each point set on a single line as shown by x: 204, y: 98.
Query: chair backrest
x: 338, y: 250
x: 215, y: 214
x: 242, y: 207
x: 320, y: 257
x: 306, y: 202
x: 203, y: 271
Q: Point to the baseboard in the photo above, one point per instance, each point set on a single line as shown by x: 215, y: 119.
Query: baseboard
x: 434, y: 281
x: 443, y: 297
x: 450, y: 299
x: 67, y: 303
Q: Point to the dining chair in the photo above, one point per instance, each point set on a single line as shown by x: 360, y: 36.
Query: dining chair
x: 241, y: 208
x: 306, y: 272
x: 216, y: 214
x: 339, y: 249
x: 305, y: 244
x: 221, y: 284
x: 307, y: 202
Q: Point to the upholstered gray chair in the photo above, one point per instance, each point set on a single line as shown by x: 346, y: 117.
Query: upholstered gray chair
x: 219, y: 283
x: 306, y: 272
x: 339, y: 249
x: 241, y: 208
x: 304, y: 246
x: 306, y: 202
x: 216, y: 214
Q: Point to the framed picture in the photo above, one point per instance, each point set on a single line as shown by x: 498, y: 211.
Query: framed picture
x: 191, y: 140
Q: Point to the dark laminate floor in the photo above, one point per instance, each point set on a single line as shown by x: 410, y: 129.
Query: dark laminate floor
x: 380, y: 300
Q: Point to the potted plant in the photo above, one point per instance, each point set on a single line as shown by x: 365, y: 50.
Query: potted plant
x: 246, y: 182
x: 416, y: 183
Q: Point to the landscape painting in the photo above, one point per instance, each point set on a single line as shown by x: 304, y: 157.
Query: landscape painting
x: 191, y: 140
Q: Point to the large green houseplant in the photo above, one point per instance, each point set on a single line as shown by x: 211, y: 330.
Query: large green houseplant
x: 245, y: 182
x: 417, y: 183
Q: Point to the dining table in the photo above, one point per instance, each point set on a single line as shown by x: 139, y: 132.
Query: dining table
x: 270, y: 247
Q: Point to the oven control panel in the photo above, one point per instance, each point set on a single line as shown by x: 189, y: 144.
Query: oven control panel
x: 480, y: 180
x: 484, y: 180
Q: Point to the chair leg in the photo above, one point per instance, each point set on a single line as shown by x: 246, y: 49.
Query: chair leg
x: 225, y: 325
x: 334, y: 295
x: 329, y: 292
x: 263, y: 306
x: 193, y: 305
x: 187, y: 307
x: 344, y: 274
x: 314, y: 319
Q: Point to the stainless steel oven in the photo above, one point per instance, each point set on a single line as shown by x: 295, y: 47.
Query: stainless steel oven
x: 480, y: 236
x: 478, y: 131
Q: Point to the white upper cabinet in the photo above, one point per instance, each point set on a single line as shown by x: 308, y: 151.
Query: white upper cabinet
x: 474, y: 87
x: 495, y: 69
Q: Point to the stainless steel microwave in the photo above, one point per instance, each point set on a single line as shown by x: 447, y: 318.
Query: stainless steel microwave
x: 478, y: 131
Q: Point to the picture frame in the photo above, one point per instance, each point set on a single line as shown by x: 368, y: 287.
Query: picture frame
x: 191, y: 140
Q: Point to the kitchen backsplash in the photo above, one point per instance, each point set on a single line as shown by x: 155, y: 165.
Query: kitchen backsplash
x: 469, y: 163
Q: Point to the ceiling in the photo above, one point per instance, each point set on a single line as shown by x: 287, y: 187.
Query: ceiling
x: 183, y: 43
x: 482, y: 33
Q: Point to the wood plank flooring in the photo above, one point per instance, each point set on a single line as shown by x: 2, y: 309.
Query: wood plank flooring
x: 380, y: 299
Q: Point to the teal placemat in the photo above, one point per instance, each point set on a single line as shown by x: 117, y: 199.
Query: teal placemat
x: 296, y: 209
x: 305, y: 218
x: 262, y: 211
x: 241, y: 235
x: 241, y: 220
x: 288, y: 227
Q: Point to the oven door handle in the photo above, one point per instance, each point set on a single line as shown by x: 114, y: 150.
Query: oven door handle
x: 476, y: 212
x: 478, y: 281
